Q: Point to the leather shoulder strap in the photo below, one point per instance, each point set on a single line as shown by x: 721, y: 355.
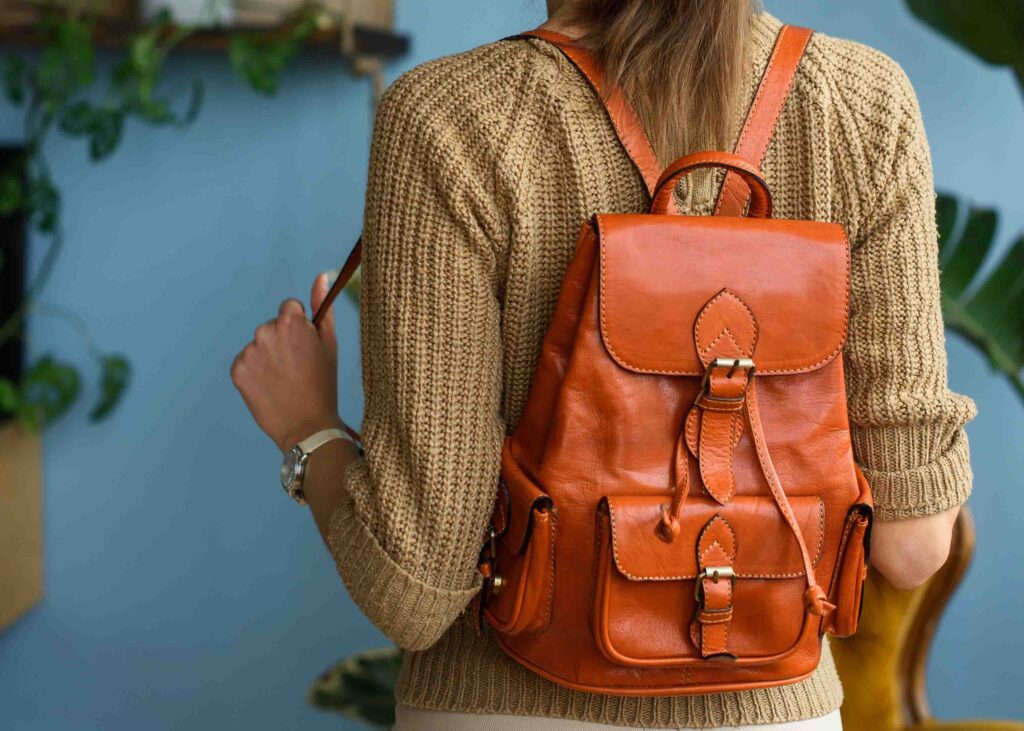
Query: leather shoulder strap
x: 620, y: 110
x: 764, y: 114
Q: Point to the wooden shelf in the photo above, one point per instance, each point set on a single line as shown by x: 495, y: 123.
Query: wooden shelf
x: 367, y: 41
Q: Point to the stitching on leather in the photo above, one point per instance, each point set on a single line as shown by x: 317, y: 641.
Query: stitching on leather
x: 704, y: 474
x: 764, y: 371
x: 821, y: 531
x: 690, y: 577
x: 700, y: 463
x: 690, y: 425
x: 754, y: 107
x: 727, y: 333
x: 755, y: 104
x: 571, y: 54
x: 725, y: 291
x: 546, y: 617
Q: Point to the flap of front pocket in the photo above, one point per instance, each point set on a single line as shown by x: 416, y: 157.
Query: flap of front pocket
x: 641, y: 555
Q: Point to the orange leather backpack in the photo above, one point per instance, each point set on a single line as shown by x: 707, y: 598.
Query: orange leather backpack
x: 679, y: 510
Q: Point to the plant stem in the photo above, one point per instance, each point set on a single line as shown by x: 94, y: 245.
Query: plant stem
x: 74, y: 321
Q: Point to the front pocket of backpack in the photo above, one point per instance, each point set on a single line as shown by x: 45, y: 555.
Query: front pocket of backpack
x: 646, y: 595
x: 525, y: 557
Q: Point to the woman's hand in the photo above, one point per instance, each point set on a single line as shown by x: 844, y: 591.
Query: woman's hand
x: 288, y: 374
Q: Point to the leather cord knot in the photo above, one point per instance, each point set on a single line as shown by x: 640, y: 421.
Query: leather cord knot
x: 668, y: 526
x: 816, y: 602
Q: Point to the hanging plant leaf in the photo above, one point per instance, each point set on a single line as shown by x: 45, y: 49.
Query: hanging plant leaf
x: 262, y: 60
x: 66, y: 64
x: 988, y: 313
x: 44, y: 203
x: 361, y: 687
x: 76, y: 119
x: 47, y: 390
x: 993, y: 30
x: 105, y: 132
x: 114, y: 378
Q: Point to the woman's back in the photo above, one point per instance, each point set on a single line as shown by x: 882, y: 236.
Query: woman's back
x: 484, y: 165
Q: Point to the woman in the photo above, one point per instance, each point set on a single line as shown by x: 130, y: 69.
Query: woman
x: 483, y: 166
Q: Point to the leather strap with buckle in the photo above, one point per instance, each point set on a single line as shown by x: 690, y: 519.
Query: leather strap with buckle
x: 713, y: 588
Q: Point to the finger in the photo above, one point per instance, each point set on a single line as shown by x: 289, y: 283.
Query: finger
x: 291, y: 306
x: 263, y: 331
x: 326, y: 327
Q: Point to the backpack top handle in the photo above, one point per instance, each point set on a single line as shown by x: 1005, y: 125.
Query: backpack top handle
x: 748, y: 175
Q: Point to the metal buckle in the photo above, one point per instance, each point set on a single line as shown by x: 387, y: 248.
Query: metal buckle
x: 733, y: 364
x: 714, y: 573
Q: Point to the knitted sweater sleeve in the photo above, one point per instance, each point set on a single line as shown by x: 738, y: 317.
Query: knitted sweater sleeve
x: 907, y: 426
x: 407, y: 537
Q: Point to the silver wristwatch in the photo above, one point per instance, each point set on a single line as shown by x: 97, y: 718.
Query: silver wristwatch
x: 293, y: 469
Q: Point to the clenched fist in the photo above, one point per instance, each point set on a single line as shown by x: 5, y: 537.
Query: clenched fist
x: 288, y: 373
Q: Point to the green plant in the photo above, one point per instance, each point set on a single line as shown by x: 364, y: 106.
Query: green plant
x: 986, y: 309
x: 361, y: 687
x: 58, y: 89
x: 990, y: 315
x: 262, y: 60
x: 993, y: 30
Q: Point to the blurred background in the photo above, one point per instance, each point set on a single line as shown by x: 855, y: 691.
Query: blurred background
x: 182, y: 590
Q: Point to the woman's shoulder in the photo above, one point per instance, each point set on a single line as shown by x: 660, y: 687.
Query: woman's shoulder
x: 475, y: 90
x: 856, y: 77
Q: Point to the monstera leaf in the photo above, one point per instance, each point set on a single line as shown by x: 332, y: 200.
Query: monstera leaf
x: 988, y: 311
x: 361, y: 687
x: 993, y: 30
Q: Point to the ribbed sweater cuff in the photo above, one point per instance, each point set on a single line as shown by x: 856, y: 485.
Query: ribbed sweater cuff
x: 412, y: 613
x: 932, y: 487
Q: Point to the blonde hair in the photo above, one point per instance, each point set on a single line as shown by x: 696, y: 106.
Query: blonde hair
x: 681, y: 63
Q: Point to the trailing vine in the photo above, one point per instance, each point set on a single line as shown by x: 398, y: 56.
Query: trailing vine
x: 59, y: 90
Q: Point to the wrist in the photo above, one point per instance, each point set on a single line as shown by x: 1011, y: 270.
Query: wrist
x: 308, y: 428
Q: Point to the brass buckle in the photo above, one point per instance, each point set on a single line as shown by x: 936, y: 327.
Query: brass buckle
x: 714, y: 573
x: 733, y: 364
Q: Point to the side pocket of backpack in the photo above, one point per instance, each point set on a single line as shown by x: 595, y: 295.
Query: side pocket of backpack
x: 525, y: 559
x: 847, y: 587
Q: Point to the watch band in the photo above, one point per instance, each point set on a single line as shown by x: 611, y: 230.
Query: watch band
x: 295, y: 460
x: 321, y: 438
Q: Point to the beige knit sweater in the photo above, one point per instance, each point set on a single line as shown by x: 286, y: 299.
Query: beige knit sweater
x: 482, y: 169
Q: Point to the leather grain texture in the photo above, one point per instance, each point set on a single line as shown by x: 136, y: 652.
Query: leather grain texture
x: 658, y: 272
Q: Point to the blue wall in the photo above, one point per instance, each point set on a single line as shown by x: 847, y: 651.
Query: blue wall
x: 183, y: 591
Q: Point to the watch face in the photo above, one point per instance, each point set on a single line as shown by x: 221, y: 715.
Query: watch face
x: 291, y: 468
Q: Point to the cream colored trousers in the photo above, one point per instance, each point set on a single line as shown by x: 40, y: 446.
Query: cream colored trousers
x: 415, y: 719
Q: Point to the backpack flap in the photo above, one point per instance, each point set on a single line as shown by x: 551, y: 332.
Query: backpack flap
x: 658, y: 272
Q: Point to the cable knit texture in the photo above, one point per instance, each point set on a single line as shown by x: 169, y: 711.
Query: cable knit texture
x: 482, y: 169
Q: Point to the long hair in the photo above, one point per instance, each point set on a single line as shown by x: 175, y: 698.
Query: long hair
x: 681, y: 62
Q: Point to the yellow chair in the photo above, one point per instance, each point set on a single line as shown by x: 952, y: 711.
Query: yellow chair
x: 883, y: 665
